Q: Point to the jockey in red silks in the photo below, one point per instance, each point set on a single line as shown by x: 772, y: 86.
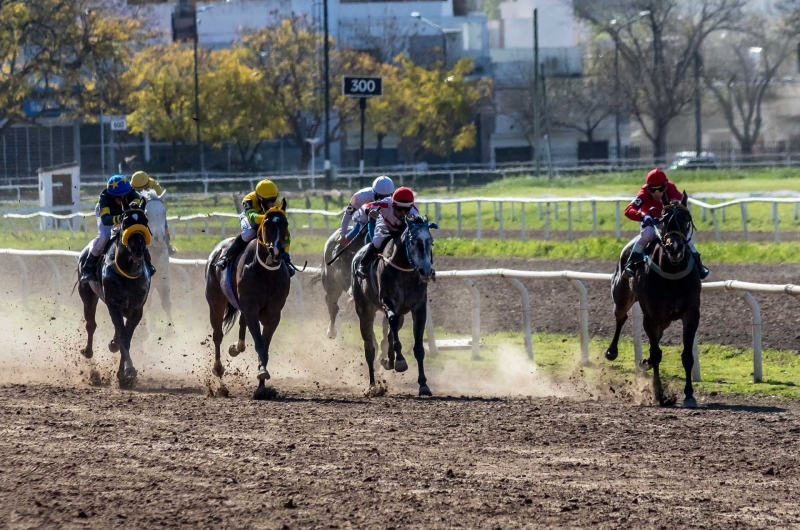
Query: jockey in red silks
x: 391, y: 223
x: 643, y: 208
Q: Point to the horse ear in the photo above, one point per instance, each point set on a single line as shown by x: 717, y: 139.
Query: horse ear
x: 283, y: 204
x: 664, y: 199
x: 685, y: 199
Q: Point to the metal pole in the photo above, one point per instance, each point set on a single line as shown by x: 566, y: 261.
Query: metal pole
x: 362, y: 104
x: 102, y: 144
x: 616, y: 101
x: 444, y: 49
x: 698, y: 117
x: 536, y: 143
x: 326, y: 48
x: 197, y: 99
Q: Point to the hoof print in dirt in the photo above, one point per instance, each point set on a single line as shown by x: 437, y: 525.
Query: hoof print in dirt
x: 222, y: 392
x: 265, y: 393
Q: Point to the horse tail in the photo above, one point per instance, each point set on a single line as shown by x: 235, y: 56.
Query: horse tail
x: 229, y: 319
x: 316, y: 277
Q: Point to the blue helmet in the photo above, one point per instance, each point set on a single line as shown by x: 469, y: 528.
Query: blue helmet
x: 118, y: 186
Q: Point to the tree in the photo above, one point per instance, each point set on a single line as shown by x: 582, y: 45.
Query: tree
x: 441, y: 107
x: 741, y: 68
x: 287, y: 57
x: 386, y: 113
x: 243, y: 109
x: 657, y: 53
x: 54, y: 52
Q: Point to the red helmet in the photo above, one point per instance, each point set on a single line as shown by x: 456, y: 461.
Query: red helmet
x: 656, y: 178
x: 403, y: 197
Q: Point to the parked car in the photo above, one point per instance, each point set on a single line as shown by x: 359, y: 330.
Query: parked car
x: 688, y: 160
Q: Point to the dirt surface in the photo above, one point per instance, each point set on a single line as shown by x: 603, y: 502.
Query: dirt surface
x: 101, y: 458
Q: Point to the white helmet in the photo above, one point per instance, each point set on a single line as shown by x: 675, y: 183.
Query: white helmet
x: 383, y: 186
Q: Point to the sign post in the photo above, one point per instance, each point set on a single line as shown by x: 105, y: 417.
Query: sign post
x: 362, y: 88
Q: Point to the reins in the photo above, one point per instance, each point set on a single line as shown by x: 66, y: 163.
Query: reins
x: 262, y: 240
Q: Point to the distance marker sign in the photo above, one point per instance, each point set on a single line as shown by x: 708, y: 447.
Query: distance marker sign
x: 362, y: 87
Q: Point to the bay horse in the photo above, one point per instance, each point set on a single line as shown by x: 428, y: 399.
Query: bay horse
x: 667, y: 288
x: 255, y: 284
x: 397, y: 284
x: 123, y: 283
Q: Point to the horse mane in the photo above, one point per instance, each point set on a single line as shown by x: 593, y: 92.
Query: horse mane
x: 676, y: 205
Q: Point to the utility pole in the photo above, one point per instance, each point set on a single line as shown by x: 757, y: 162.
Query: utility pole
x: 616, y: 102
x: 536, y: 143
x: 698, y: 114
x: 326, y: 48
x: 546, y: 125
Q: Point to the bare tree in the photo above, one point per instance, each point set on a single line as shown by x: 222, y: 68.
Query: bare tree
x: 657, y: 52
x: 384, y: 37
x: 741, y: 68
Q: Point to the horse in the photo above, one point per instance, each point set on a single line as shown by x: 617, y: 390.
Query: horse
x: 159, y: 252
x: 123, y: 284
x: 667, y: 288
x: 257, y: 286
x: 397, y: 284
x: 336, y: 277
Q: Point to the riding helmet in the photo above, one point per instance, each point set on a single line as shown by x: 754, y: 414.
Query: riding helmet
x: 383, y: 187
x: 118, y: 186
x: 403, y: 197
x: 140, y: 180
x: 656, y: 178
x: 266, y: 190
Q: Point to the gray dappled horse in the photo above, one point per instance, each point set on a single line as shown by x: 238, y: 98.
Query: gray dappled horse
x: 123, y: 283
x: 668, y: 289
x: 159, y: 250
x: 260, y: 282
x: 397, y: 284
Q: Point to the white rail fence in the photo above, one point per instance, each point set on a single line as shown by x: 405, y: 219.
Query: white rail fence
x: 575, y: 279
x: 547, y: 208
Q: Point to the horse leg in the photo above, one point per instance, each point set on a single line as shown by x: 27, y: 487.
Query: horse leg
x: 332, y: 301
x: 623, y: 301
x: 387, y: 354
x: 240, y: 346
x: 216, y: 317
x: 395, y: 323
x: 126, y: 373
x: 419, y: 316
x: 366, y: 321
x: 654, y: 333
x: 691, y: 321
x: 163, y: 293
x: 90, y: 300
x: 254, y: 325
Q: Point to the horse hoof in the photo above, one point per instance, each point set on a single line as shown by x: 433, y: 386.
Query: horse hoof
x: 645, y: 364
x: 127, y: 382
x: 400, y: 366
x: 87, y: 352
x: 240, y: 346
x: 331, y: 332
x: 265, y: 393
x: 263, y: 375
x: 130, y: 372
x: 611, y: 354
x: 385, y: 363
x: 424, y: 390
x: 113, y: 347
x: 233, y: 351
x: 375, y: 391
x: 218, y: 370
x: 690, y: 403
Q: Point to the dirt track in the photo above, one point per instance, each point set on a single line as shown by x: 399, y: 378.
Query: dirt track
x: 89, y: 458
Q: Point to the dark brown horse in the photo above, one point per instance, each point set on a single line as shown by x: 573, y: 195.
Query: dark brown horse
x: 258, y: 288
x: 668, y: 289
x: 123, y: 282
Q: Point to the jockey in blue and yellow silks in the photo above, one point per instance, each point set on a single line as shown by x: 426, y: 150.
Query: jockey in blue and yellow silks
x: 254, y: 208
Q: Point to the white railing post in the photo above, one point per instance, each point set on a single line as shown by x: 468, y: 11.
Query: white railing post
x: 526, y: 315
x: 429, y: 331
x: 476, y: 320
x: 547, y: 222
x: 744, y: 222
x: 580, y: 211
x: 755, y: 312
x: 500, y: 215
x: 437, y: 212
x: 617, y: 227
x: 523, y: 235
x: 636, y: 333
x: 717, y: 234
x: 458, y: 218
x: 478, y: 220
x: 776, y: 220
x: 583, y: 316
x: 594, y: 218
x: 569, y: 221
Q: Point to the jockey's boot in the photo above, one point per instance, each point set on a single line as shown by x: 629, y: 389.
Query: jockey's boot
x: 634, y: 261
x: 366, y: 261
x: 288, y: 259
x: 88, y: 267
x: 702, y: 269
x: 236, y: 247
x: 148, y: 263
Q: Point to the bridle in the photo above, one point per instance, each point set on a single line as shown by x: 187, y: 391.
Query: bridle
x: 270, y: 246
x: 671, y: 219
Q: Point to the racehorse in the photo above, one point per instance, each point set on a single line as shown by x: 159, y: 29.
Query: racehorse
x: 159, y: 252
x: 397, y: 284
x: 255, y: 284
x: 123, y: 283
x: 668, y: 289
x: 336, y: 277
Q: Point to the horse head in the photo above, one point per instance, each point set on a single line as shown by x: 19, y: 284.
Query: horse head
x: 157, y: 214
x: 419, y: 246
x: 135, y: 233
x: 677, y: 227
x: 272, y: 234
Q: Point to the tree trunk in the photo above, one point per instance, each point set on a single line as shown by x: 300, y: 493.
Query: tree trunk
x: 660, y: 143
x: 746, y: 145
x: 305, y: 156
x: 379, y: 150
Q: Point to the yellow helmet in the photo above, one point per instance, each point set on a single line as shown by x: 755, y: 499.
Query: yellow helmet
x: 140, y: 180
x: 267, y: 190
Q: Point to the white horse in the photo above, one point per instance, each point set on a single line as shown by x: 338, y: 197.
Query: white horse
x: 159, y: 254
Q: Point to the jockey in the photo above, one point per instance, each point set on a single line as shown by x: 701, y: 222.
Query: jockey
x: 141, y: 181
x: 382, y: 187
x: 642, y: 209
x: 254, y: 207
x: 390, y: 224
x: 116, y: 198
